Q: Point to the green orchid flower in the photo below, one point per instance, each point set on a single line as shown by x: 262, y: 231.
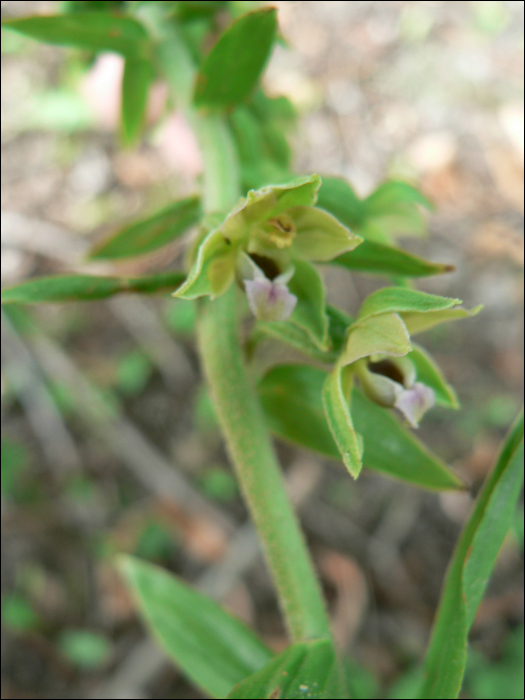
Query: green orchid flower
x: 267, y: 243
x: 391, y: 371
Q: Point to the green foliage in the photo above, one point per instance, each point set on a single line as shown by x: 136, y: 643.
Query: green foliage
x: 133, y: 372
x: 149, y: 234
x: 470, y: 569
x: 95, y: 31
x: 240, y: 54
x: 87, y: 287
x: 304, y: 670
x: 18, y: 614
x: 212, y: 648
x: 498, y: 679
x: 87, y: 650
x: 291, y: 397
x: 14, y: 460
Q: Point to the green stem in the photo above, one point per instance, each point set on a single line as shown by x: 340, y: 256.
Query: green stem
x: 236, y: 401
x: 243, y: 424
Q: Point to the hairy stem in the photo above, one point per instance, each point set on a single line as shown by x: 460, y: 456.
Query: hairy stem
x: 237, y: 404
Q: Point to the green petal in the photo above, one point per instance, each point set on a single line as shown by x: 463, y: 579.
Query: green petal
x: 320, y: 236
x: 385, y: 334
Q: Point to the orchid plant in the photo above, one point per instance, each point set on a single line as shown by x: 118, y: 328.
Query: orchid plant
x: 263, y: 236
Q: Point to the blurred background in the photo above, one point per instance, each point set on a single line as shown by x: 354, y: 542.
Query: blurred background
x: 109, y: 442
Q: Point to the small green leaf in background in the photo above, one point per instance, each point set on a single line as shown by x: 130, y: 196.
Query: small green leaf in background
x: 380, y: 259
x: 133, y: 372
x: 150, y: 234
x: 214, y: 649
x: 240, y: 54
x: 304, y: 670
x: 218, y: 483
x: 497, y: 679
x: 154, y: 542
x: 18, y: 614
x: 87, y: 650
x: 181, y: 316
x: 88, y: 287
x: 470, y: 569
x: 135, y: 84
x: 337, y: 197
x: 95, y: 31
x: 291, y: 399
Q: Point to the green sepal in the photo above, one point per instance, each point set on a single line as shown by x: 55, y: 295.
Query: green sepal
x: 320, y: 236
x: 385, y: 334
x: 417, y: 322
x: 430, y: 374
x: 214, y: 269
x: 403, y: 300
x: 336, y: 403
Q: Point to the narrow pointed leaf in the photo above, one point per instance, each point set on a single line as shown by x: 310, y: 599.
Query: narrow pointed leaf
x: 232, y: 68
x: 214, y: 649
x: 430, y: 374
x: 384, y: 334
x: 337, y: 197
x: 135, y: 83
x: 95, y: 31
x: 304, y: 670
x: 470, y: 570
x: 309, y: 313
x: 336, y: 405
x: 150, y: 234
x: 417, y: 322
x: 88, y: 287
x: 380, y: 259
x: 392, y: 196
x: 291, y: 398
x: 403, y: 300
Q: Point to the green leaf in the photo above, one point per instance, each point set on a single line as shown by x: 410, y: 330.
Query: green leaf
x: 470, y: 569
x: 214, y: 649
x: 88, y: 287
x: 336, y: 403
x: 320, y: 236
x: 393, y: 196
x: 150, y: 234
x: 232, y: 68
x: 135, y: 83
x: 291, y: 398
x: 384, y: 334
x: 337, y: 197
x: 95, y: 31
x: 403, y: 300
x: 304, y: 670
x: 417, y: 322
x: 288, y: 333
x: 309, y: 313
x: 430, y: 374
x: 379, y: 259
